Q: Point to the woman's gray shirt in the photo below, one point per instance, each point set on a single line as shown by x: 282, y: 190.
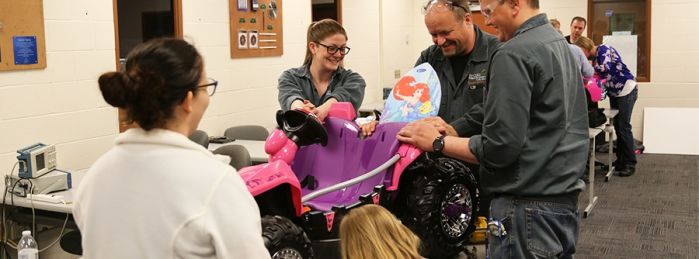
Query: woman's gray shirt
x: 297, y: 84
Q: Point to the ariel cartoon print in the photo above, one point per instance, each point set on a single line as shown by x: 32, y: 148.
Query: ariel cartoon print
x: 415, y: 96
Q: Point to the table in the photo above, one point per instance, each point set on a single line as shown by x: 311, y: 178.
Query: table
x: 256, y: 148
x: 369, y: 108
x: 609, y: 129
x: 47, y: 206
x: 593, y: 132
x: 58, y: 215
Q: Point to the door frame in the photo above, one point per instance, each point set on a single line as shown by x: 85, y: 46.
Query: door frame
x: 338, y: 7
x: 176, y: 13
x: 647, y: 41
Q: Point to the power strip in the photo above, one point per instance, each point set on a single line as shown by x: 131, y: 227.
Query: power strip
x: 49, y: 198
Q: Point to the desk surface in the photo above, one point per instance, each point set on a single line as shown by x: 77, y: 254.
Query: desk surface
x: 55, y: 207
x: 370, y: 107
x: 256, y: 148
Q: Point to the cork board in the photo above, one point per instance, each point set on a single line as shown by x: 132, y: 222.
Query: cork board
x: 256, y: 28
x: 22, y: 42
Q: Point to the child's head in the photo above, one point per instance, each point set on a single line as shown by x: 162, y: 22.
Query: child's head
x: 372, y: 232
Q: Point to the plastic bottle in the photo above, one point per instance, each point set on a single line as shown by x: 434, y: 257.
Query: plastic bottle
x: 27, y: 248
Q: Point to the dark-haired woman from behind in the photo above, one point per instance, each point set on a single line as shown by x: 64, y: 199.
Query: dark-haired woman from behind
x: 156, y: 194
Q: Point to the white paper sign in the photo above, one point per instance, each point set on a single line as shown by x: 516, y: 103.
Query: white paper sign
x: 627, y: 46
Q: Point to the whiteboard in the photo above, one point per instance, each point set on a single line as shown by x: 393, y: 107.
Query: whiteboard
x: 671, y: 131
x: 627, y: 46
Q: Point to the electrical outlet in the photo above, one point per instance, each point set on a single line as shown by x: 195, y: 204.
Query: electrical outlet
x: 396, y: 73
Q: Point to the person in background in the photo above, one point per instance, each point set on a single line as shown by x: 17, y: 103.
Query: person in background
x: 460, y: 57
x: 534, y: 141
x: 585, y: 66
x: 372, y: 232
x: 156, y: 194
x: 321, y: 80
x: 556, y: 25
x: 621, y: 87
x: 577, y: 26
x: 586, y: 69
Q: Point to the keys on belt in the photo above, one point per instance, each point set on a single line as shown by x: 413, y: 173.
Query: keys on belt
x: 496, y: 228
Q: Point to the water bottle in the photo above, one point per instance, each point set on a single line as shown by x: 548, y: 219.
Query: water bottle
x: 27, y: 248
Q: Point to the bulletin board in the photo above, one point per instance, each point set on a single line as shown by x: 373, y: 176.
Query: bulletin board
x: 22, y: 42
x: 256, y: 28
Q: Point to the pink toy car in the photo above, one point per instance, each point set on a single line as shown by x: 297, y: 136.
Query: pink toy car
x: 317, y: 172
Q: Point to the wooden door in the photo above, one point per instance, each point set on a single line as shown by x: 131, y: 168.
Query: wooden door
x: 478, y: 19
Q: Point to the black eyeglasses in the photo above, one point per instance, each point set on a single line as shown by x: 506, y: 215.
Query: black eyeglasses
x: 334, y: 49
x: 210, y: 86
x: 444, y: 3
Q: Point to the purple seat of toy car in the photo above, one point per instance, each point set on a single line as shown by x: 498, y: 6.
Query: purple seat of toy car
x: 346, y: 156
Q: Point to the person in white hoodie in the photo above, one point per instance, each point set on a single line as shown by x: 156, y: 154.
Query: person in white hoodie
x: 156, y: 194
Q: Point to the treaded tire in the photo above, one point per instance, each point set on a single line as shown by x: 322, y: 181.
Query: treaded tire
x: 284, y: 239
x: 432, y: 196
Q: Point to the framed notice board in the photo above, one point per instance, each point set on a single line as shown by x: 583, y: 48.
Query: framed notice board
x: 256, y: 28
x: 22, y: 43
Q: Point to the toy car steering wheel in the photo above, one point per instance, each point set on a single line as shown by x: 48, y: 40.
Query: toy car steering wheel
x: 302, y: 127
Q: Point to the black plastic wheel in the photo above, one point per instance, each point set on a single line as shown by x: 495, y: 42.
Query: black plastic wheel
x: 440, y: 206
x: 284, y: 239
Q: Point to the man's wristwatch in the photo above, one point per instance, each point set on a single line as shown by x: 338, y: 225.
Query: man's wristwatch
x: 438, y: 144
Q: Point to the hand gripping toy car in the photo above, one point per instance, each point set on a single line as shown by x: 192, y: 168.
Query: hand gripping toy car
x: 318, y: 172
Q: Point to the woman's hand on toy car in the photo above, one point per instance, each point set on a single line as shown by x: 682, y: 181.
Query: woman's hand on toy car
x: 420, y: 134
x: 322, y: 111
x: 303, y: 105
x: 441, y: 125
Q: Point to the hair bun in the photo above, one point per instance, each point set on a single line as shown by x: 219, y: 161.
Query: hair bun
x: 114, y: 88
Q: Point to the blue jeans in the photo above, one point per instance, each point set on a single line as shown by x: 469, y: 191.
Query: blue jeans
x: 625, y: 154
x: 535, y: 229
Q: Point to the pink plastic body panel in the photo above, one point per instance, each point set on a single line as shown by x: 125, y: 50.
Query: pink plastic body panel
x: 342, y: 110
x: 408, y: 154
x: 280, y: 147
x: 264, y: 177
x: 275, y: 141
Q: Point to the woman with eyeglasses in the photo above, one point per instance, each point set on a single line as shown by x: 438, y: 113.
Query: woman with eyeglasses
x: 321, y: 80
x: 156, y: 194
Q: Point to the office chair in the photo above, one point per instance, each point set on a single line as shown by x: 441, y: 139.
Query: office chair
x: 247, y: 132
x: 239, y: 155
x: 200, y: 137
x: 71, y: 242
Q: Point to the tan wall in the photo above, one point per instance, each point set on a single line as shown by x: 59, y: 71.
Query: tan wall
x: 674, y: 73
x: 62, y: 104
